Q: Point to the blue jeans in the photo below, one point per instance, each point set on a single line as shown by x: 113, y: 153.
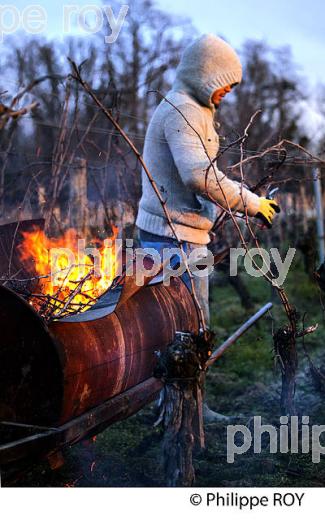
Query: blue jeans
x: 201, y: 284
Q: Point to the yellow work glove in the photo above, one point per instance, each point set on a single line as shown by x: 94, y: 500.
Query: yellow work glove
x: 267, y: 210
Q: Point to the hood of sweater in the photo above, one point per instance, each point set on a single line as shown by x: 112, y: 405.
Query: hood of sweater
x: 208, y: 64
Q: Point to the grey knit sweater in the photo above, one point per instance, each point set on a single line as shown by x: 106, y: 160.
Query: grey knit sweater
x: 174, y: 154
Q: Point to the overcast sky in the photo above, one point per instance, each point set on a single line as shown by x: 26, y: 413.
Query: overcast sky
x: 298, y: 23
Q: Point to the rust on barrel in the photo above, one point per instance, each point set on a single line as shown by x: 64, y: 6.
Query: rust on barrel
x: 105, y: 357
x: 53, y: 373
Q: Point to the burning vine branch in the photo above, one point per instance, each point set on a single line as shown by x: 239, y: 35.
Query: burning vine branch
x: 77, y: 76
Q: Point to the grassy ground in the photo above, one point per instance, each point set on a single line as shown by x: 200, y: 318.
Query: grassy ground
x: 243, y: 383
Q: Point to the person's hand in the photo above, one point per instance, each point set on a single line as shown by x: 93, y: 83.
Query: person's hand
x: 267, y: 210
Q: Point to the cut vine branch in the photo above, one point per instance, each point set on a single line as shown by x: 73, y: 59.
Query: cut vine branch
x: 77, y: 76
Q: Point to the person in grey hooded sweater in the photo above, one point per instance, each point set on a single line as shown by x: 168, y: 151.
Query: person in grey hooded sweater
x: 180, y: 135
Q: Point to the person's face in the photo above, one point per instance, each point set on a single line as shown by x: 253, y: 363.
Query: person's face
x: 220, y: 93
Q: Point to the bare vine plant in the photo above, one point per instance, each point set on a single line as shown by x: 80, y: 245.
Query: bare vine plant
x: 285, y: 349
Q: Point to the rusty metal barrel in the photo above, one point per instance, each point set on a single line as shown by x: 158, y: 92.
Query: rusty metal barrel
x: 51, y: 374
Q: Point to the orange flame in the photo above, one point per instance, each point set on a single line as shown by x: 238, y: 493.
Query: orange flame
x: 63, y: 268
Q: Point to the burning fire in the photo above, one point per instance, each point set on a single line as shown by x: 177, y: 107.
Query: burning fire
x: 69, y: 279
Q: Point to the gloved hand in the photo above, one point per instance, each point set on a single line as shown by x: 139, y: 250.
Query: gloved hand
x: 267, y: 210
